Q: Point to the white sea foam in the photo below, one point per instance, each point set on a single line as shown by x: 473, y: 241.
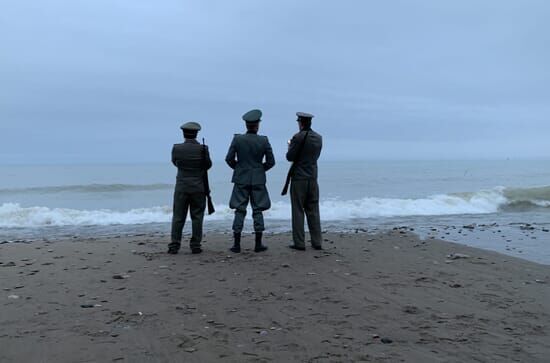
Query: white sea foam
x: 13, y: 215
x: 482, y: 202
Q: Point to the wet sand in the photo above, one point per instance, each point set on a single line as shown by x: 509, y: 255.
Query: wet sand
x: 383, y: 298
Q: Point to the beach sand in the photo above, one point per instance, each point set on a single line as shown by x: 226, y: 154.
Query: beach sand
x: 383, y: 298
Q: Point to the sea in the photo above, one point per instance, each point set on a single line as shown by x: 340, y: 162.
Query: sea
x: 500, y: 205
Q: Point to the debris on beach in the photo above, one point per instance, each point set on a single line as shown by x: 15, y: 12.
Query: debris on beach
x: 456, y: 256
x: 410, y: 309
x: 120, y: 277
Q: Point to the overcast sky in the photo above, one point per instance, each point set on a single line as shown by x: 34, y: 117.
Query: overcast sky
x: 112, y: 80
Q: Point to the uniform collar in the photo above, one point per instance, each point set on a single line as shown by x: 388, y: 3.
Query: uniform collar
x: 190, y: 141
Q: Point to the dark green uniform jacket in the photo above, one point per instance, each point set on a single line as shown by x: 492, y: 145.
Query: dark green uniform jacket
x: 250, y: 149
x: 187, y: 157
x: 306, y: 167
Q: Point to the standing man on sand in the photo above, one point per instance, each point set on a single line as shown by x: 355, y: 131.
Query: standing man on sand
x: 249, y: 178
x: 303, y: 151
x: 192, y: 160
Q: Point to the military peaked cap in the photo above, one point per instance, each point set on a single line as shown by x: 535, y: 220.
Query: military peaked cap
x: 190, y: 126
x: 252, y: 116
x: 304, y: 115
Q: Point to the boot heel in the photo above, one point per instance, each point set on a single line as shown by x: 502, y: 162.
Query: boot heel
x: 236, y: 243
x: 258, y: 246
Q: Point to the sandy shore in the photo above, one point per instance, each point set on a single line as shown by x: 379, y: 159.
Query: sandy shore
x: 382, y: 298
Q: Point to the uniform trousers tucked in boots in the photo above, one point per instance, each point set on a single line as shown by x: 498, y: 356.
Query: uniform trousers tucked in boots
x: 304, y: 197
x: 259, y: 201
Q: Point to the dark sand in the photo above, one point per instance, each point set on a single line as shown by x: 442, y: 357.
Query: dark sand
x: 282, y: 305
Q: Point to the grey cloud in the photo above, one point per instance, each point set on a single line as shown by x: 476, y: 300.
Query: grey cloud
x: 84, y: 81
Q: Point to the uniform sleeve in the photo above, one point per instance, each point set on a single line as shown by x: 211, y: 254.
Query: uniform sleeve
x: 174, y: 160
x: 269, y: 158
x: 293, y: 147
x: 207, y: 157
x: 230, y: 157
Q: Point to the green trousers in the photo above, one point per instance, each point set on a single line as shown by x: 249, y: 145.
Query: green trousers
x: 304, y: 197
x: 259, y: 201
x: 183, y: 202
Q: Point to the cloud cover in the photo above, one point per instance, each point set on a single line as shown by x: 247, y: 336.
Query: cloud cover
x: 111, y: 81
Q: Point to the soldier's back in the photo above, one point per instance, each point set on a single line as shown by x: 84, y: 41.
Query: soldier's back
x: 250, y: 149
x: 306, y: 166
x: 188, y: 157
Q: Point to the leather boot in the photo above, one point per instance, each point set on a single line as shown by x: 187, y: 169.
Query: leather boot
x: 236, y: 243
x: 259, y: 247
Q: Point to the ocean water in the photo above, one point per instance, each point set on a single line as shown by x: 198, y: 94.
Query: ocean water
x: 507, y: 202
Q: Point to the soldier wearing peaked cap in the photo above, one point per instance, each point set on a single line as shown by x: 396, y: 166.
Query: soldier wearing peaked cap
x: 192, y: 160
x: 304, y: 150
x: 246, y: 157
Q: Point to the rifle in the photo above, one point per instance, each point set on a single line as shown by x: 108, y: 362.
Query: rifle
x: 205, y: 180
x: 293, y: 166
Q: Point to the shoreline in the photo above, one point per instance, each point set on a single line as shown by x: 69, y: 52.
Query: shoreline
x: 528, y: 241
x: 124, y: 299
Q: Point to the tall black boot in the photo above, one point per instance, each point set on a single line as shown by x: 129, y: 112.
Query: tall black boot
x: 236, y: 243
x: 259, y: 247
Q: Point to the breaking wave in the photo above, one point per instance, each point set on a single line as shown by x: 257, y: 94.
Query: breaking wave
x: 481, y: 202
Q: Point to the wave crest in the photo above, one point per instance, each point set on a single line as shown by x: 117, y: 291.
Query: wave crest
x: 482, y: 202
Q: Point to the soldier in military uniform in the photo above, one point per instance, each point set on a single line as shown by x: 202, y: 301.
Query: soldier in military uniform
x: 249, y: 178
x: 192, y: 160
x: 304, y: 150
